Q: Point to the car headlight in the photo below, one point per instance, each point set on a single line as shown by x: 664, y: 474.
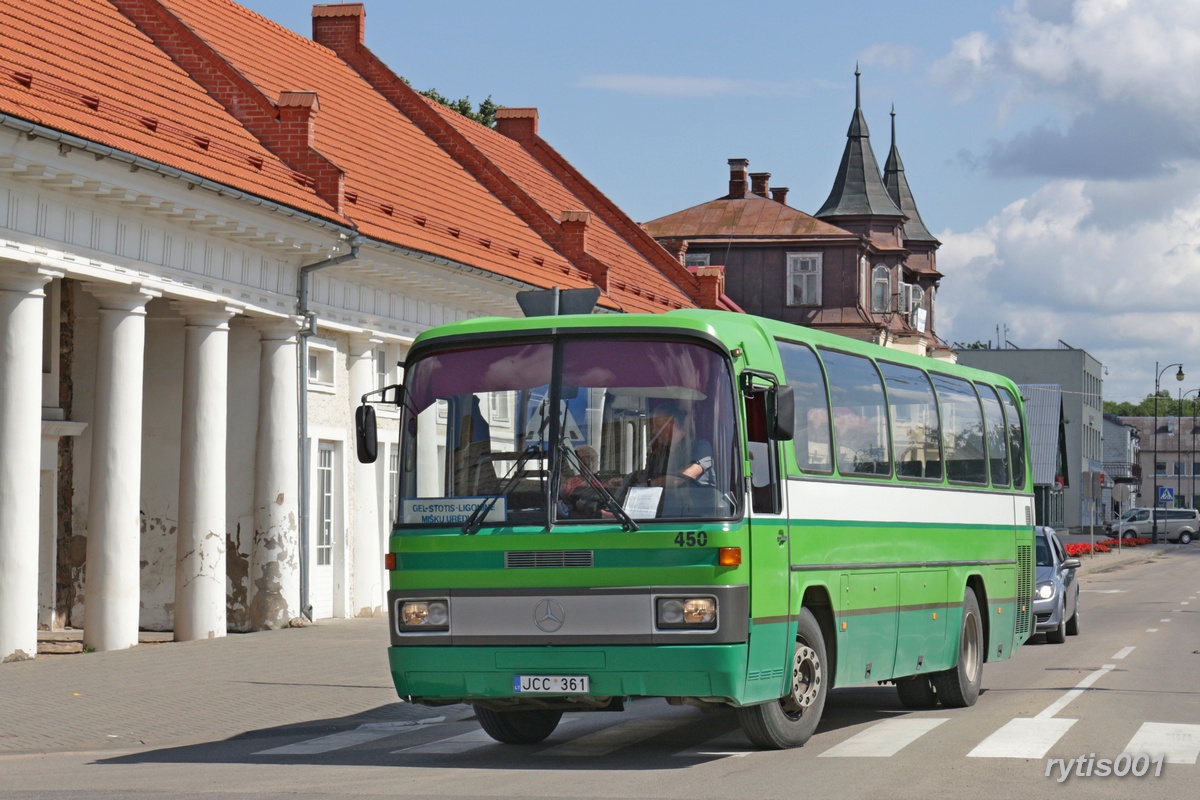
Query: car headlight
x: 682, y: 613
x: 423, y: 616
x: 1045, y: 591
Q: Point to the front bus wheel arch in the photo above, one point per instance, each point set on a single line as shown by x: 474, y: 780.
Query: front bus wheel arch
x: 958, y: 687
x: 792, y: 719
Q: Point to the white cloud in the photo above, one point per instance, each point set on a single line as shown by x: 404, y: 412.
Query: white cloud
x: 1044, y: 270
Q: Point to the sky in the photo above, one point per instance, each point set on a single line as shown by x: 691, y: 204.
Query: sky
x: 1053, y: 146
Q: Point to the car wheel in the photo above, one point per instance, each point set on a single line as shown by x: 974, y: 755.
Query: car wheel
x: 1073, y: 622
x: 958, y: 687
x: 1059, y: 634
x: 792, y: 720
x: 1185, y: 538
x: 1127, y: 535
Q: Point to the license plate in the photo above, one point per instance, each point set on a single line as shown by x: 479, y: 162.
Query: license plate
x: 550, y: 684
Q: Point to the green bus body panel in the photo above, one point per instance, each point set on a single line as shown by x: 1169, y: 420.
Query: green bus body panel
x: 895, y: 589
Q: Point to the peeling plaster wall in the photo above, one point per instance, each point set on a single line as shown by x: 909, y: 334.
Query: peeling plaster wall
x: 83, y: 380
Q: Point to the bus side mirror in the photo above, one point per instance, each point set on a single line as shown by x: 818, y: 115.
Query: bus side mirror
x: 784, y: 413
x: 366, y: 437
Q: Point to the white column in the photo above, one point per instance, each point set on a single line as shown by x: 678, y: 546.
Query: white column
x: 275, y: 558
x: 112, y: 587
x: 366, y: 587
x: 21, y: 299
x: 200, y: 595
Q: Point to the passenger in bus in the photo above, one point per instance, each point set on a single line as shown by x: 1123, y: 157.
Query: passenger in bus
x: 589, y: 460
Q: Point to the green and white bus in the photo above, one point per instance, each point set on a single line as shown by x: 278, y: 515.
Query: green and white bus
x: 818, y: 513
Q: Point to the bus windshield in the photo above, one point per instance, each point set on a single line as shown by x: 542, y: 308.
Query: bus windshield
x: 567, y: 431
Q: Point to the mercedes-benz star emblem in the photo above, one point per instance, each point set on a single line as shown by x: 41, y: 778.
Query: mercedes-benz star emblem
x: 549, y: 615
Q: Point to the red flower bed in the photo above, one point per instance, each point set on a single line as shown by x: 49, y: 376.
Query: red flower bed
x: 1076, y: 549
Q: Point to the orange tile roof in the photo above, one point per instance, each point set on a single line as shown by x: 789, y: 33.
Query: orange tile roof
x: 400, y: 186
x: 98, y: 78
x: 635, y: 283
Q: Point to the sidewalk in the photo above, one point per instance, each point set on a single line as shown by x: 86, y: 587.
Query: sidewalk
x: 177, y: 693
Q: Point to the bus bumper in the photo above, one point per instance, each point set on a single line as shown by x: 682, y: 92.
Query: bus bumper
x: 462, y: 674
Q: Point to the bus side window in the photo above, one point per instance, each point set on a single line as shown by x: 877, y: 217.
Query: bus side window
x: 764, y: 465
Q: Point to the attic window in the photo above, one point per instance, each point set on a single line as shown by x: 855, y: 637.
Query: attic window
x: 696, y: 260
x: 804, y: 279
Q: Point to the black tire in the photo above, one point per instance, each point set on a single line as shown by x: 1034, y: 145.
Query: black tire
x: 1059, y: 634
x: 916, y: 692
x: 1073, y: 622
x: 958, y: 687
x: 519, y: 726
x: 1185, y: 538
x: 791, y: 720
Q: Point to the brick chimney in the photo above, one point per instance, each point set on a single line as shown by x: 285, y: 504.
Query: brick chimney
x: 779, y: 195
x: 518, y: 124
x: 758, y: 183
x: 737, y: 177
x: 339, y: 26
x: 574, y: 227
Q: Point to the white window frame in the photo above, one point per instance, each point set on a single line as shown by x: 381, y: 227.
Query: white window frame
x: 881, y: 276
x: 696, y: 259
x: 804, y: 276
x: 323, y: 354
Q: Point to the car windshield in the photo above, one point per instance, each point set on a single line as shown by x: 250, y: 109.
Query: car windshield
x: 568, y: 431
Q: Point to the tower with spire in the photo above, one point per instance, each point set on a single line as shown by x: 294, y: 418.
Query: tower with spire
x: 862, y: 266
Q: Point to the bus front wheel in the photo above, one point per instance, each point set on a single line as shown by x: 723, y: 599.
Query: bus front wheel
x: 518, y: 726
x: 791, y: 720
x: 958, y: 687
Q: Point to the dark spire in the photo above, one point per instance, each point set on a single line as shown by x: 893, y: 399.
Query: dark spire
x: 858, y: 189
x: 897, y: 189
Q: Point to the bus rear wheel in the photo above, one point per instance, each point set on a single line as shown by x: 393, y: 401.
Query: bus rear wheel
x: 916, y: 692
x: 518, y: 726
x: 792, y: 720
x: 958, y: 687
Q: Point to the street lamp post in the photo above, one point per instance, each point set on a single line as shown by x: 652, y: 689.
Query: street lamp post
x: 1158, y: 373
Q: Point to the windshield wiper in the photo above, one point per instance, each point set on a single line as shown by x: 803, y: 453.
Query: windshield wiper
x: 471, y: 526
x: 590, y: 480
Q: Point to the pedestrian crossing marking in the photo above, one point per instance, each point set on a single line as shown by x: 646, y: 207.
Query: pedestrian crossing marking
x: 454, y: 744
x: 1024, y: 737
x: 334, y: 741
x: 885, y: 738
x: 1179, y: 743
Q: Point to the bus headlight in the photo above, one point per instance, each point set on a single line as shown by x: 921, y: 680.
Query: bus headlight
x: 424, y: 615
x: 1045, y: 591
x: 687, y: 613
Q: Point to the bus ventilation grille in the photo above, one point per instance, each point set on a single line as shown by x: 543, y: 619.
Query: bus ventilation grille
x: 534, y: 559
x: 1024, y: 588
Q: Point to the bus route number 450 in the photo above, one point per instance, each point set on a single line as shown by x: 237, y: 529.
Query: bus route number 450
x: 550, y: 684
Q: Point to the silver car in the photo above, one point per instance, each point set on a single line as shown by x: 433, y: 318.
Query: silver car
x: 1056, y: 600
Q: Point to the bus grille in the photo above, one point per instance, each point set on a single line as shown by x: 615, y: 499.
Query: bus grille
x: 527, y: 559
x: 1024, y: 588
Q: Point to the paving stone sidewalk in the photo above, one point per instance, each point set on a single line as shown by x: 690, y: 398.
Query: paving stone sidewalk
x: 176, y: 693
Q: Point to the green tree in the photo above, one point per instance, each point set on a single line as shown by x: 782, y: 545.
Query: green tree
x: 484, y: 113
x: 1168, y: 406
